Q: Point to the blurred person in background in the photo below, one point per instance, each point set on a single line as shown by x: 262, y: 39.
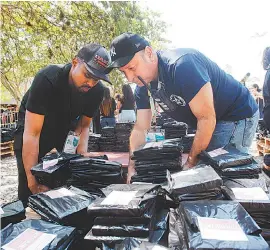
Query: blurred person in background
x: 257, y: 94
x: 266, y: 96
x: 126, y: 105
x: 107, y: 109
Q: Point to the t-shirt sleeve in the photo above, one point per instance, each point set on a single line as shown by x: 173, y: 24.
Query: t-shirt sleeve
x: 93, y: 99
x: 39, y: 95
x: 142, y: 98
x: 190, y: 75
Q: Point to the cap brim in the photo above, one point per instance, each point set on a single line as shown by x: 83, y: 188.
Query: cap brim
x: 120, y: 62
x: 97, y: 74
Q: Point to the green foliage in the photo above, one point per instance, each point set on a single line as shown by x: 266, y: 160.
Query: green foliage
x: 35, y: 34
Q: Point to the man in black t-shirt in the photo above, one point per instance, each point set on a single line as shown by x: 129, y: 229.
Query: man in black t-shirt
x: 62, y: 98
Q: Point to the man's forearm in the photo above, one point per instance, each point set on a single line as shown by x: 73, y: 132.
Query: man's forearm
x: 30, y: 153
x: 205, y: 129
x: 83, y: 143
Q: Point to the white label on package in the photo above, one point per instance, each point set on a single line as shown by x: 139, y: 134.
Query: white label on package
x: 47, y: 164
x: 59, y: 193
x: 30, y: 239
x: 221, y: 229
x: 185, y: 173
x: 1, y: 211
x: 153, y: 144
x: 119, y: 198
x: 217, y: 152
x: 255, y: 193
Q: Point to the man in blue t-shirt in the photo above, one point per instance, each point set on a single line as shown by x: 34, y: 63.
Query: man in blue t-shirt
x: 190, y: 88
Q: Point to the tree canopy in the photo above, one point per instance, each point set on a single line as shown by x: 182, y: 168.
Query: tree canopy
x: 35, y: 34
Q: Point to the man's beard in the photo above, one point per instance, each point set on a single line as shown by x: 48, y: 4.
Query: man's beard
x: 82, y: 89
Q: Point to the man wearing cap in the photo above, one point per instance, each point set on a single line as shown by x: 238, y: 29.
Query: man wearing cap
x: 190, y: 88
x: 61, y: 99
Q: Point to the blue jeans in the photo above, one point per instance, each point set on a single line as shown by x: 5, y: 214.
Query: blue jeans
x: 107, y: 122
x: 239, y: 133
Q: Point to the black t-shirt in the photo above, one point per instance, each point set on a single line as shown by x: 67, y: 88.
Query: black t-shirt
x: 111, y: 113
x: 52, y: 96
x: 127, y: 104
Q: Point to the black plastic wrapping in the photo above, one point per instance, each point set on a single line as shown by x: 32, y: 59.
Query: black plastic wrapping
x: 187, y: 142
x: 14, y: 212
x: 153, y: 159
x: 257, y: 208
x: 64, y: 209
x: 143, y: 200
x: 134, y: 243
x: 93, y: 142
x: 7, y: 134
x: 177, y: 238
x: 199, y: 179
x: 157, y: 231
x: 92, y: 174
x: 175, y: 129
x: 226, y: 157
x: 250, y: 171
x: 190, y: 211
x: 57, y: 175
x: 64, y: 234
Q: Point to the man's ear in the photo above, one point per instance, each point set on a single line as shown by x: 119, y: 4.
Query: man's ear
x: 150, y: 53
x: 75, y: 61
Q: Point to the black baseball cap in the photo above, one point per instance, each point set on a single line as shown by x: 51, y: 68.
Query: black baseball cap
x: 96, y: 60
x: 124, y: 47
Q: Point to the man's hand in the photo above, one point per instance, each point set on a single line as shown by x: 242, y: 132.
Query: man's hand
x: 131, y: 172
x: 35, y: 187
x: 190, y: 163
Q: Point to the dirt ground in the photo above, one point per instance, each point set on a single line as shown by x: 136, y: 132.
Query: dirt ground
x: 9, y: 177
x: 9, y: 180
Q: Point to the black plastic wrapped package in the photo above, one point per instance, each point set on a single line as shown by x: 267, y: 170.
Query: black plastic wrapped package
x: 92, y: 174
x: 125, y: 200
x: 12, y: 212
x: 65, y: 206
x: 53, y: 171
x: 226, y: 157
x: 134, y: 243
x: 30, y: 233
x: 220, y: 225
x: 196, y: 180
x: 156, y: 232
x: 250, y: 171
x: 177, y: 238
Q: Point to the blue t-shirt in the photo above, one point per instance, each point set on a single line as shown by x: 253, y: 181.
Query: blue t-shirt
x: 182, y: 73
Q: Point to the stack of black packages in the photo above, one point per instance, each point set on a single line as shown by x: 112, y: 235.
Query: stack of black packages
x: 92, y: 174
x: 12, y: 212
x: 187, y: 142
x: 229, y: 162
x: 175, y: 129
x: 7, y: 134
x: 115, y: 139
x: 65, y: 206
x: 153, y: 159
x: 122, y: 132
x: 134, y: 243
x: 93, y: 142
x: 127, y: 211
x: 253, y: 195
x: 37, y: 234
x: 107, y: 141
x: 215, y: 225
x: 199, y: 183
x: 54, y: 171
x: 162, y: 118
